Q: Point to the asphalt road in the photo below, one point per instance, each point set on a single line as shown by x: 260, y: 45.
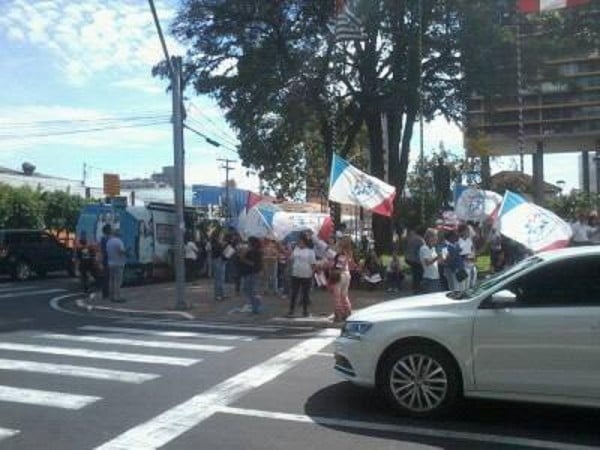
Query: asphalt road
x: 77, y: 382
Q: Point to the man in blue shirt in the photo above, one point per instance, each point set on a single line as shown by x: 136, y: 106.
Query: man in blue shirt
x: 115, y: 252
x: 106, y: 233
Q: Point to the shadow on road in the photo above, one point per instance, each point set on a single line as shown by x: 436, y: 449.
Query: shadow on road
x: 521, y: 420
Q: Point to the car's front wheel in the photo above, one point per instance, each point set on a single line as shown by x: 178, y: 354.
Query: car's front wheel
x: 22, y: 271
x: 421, y: 380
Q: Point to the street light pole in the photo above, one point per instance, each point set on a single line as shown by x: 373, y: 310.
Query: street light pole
x: 179, y: 188
x: 421, y: 133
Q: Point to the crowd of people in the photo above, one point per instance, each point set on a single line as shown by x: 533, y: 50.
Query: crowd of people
x: 290, y: 269
x: 438, y: 259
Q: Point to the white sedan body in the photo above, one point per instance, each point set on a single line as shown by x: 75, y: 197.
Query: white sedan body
x: 544, y: 346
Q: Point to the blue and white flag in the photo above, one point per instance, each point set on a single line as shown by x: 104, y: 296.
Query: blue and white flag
x: 477, y: 205
x: 350, y: 186
x: 531, y: 225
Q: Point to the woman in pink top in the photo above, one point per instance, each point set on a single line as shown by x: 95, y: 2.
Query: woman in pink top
x: 340, y: 280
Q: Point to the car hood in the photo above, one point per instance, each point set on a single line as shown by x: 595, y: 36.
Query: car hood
x: 414, y: 306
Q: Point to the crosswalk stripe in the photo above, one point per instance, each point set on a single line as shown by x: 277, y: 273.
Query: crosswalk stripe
x: 175, y: 334
x: 45, y: 398
x: 7, y: 432
x: 95, y: 354
x: 18, y: 288
x: 76, y: 371
x: 210, y: 326
x: 137, y: 343
x: 34, y: 292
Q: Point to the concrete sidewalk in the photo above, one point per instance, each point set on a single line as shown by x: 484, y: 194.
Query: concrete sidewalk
x: 159, y: 300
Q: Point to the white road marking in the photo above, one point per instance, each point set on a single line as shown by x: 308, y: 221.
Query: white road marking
x: 17, y: 288
x: 402, y: 429
x: 76, y: 371
x: 34, y: 292
x: 210, y: 326
x: 45, y: 398
x: 137, y: 342
x: 7, y: 432
x: 95, y: 354
x: 173, y: 334
x: 172, y: 423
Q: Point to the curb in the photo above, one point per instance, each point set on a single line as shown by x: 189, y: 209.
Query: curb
x: 83, y: 307
x: 89, y: 307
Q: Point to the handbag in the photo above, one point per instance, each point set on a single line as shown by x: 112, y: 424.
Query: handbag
x: 461, y: 275
x: 335, y: 275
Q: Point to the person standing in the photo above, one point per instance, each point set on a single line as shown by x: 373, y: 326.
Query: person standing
x: 106, y: 234
x: 340, y: 280
x: 468, y: 252
x: 303, y: 260
x: 250, y: 266
x: 218, y: 264
x: 429, y: 260
x: 115, y: 250
x: 414, y: 242
x: 191, y: 257
x: 454, y: 267
x: 86, y: 259
x: 283, y: 255
x: 581, y: 230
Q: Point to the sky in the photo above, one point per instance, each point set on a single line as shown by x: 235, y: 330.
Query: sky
x: 68, y: 66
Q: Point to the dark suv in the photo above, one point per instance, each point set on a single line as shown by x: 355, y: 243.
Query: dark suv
x: 25, y: 252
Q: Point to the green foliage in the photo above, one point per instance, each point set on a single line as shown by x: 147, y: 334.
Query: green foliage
x: 61, y: 210
x: 567, y: 206
x: 20, y: 208
x: 24, y: 207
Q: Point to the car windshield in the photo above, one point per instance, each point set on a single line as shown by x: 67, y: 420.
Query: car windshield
x: 492, y: 280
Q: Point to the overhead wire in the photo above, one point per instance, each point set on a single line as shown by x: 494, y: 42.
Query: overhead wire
x: 219, y: 130
x: 201, y: 125
x: 83, y: 130
x: 209, y: 139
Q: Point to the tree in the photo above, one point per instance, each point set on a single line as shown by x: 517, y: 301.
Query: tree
x: 20, y: 207
x: 61, y: 210
x: 291, y: 92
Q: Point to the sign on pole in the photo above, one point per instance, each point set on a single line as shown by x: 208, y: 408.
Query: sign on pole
x: 112, y: 184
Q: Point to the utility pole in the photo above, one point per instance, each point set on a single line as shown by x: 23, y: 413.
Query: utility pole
x: 226, y: 165
x: 83, y: 179
x: 178, y: 159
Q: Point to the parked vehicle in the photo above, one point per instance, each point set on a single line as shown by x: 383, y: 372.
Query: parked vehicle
x: 531, y: 333
x: 25, y: 253
x: 146, y: 231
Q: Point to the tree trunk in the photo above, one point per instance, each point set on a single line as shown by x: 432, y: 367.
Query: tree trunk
x: 486, y: 172
x: 380, y: 224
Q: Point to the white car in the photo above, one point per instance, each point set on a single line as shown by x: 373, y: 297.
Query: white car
x: 531, y: 333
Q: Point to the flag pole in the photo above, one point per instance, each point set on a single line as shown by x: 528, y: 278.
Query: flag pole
x: 521, y: 136
x: 421, y: 132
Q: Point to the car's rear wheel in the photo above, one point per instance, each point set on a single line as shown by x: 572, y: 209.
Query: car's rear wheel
x: 421, y: 380
x: 22, y: 271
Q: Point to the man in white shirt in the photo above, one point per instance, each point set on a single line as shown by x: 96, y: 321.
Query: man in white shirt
x: 429, y: 260
x: 581, y: 230
x: 303, y: 262
x: 191, y: 258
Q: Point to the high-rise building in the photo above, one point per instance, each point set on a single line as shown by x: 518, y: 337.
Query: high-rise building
x: 556, y: 110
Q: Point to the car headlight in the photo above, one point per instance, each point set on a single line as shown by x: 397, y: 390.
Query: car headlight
x: 355, y: 330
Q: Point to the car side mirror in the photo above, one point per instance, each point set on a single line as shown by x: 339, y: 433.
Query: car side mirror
x: 504, y: 297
